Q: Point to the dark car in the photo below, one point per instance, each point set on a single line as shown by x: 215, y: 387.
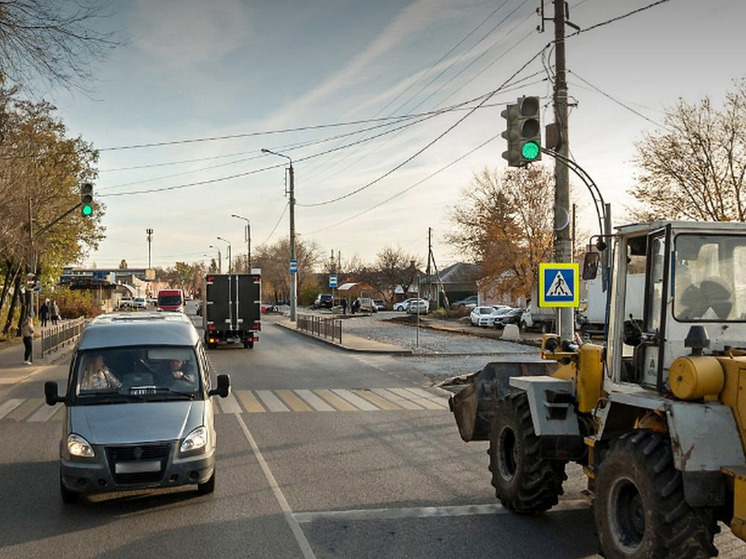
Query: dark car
x: 513, y: 316
x: 323, y: 300
x: 379, y: 304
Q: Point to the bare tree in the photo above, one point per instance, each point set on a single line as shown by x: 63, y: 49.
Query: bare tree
x: 55, y: 41
x: 394, y: 268
x: 695, y: 167
x: 505, y: 223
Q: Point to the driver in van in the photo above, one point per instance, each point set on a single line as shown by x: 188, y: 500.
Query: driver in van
x: 181, y: 371
x: 97, y: 376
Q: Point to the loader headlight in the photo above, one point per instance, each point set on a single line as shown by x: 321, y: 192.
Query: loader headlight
x: 196, y: 440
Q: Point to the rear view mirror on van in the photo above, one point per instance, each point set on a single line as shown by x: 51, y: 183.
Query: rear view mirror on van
x: 223, y: 388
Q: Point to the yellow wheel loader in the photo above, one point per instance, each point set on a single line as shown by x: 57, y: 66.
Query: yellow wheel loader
x: 656, y: 415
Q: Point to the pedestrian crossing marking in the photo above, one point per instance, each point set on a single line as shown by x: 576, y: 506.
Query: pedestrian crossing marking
x: 336, y: 401
x: 314, y: 401
x: 355, y: 400
x: 292, y: 400
x: 270, y: 401
x: 35, y: 410
x: 249, y: 401
x: 382, y: 403
x: 9, y: 406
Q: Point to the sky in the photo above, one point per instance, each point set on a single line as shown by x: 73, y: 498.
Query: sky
x: 374, y: 103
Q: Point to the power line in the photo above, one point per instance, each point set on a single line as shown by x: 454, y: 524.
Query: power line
x: 615, y: 19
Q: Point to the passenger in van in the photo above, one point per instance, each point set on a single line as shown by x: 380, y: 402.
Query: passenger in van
x: 97, y: 376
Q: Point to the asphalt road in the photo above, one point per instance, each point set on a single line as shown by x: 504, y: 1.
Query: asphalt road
x: 322, y: 453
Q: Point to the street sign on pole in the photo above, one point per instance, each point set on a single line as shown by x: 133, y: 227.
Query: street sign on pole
x: 293, y: 266
x: 332, y: 280
x: 558, y: 285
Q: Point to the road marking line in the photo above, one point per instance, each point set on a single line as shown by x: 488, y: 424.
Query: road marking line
x: 287, y: 512
x: 44, y: 413
x: 398, y: 400
x: 355, y: 400
x: 381, y: 402
x: 441, y: 401
x: 424, y: 512
x: 25, y: 409
x: 424, y: 402
x: 292, y: 400
x: 229, y: 404
x: 272, y: 402
x: 336, y: 401
x: 314, y: 401
x: 9, y: 406
x: 249, y: 401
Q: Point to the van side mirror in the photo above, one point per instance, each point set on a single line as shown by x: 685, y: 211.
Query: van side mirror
x: 51, y: 393
x: 223, y: 388
x: 590, y: 265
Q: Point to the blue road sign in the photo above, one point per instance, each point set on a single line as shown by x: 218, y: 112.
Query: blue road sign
x: 332, y: 280
x: 293, y: 266
x: 558, y: 285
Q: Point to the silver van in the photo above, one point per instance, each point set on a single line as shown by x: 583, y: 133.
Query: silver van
x: 139, y: 409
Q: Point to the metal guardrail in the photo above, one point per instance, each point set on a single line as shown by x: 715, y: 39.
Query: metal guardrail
x: 330, y: 328
x: 54, y: 337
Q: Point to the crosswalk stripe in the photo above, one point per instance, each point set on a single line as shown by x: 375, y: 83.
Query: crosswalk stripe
x: 272, y: 402
x: 314, y: 401
x: 398, y: 400
x: 424, y: 402
x: 9, y: 406
x: 336, y: 401
x: 25, y: 409
x: 441, y: 401
x: 292, y: 400
x: 379, y: 401
x: 44, y: 413
x: 229, y: 404
x: 355, y: 400
x: 249, y: 401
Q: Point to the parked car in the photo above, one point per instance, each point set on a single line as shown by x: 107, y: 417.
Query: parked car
x: 468, y: 303
x: 139, y: 303
x: 126, y: 303
x: 363, y: 304
x: 380, y: 305
x: 513, y: 316
x: 484, y: 316
x: 402, y: 305
x: 418, y: 306
x: 138, y: 410
x: 323, y: 300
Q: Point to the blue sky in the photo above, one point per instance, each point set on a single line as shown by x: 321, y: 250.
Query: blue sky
x: 292, y: 75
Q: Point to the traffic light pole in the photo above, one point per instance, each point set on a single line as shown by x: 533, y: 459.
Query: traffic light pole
x: 562, y: 242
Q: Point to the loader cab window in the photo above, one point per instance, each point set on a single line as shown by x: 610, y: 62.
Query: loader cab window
x: 655, y: 284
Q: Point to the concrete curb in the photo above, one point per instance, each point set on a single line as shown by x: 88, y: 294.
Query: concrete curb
x: 343, y: 346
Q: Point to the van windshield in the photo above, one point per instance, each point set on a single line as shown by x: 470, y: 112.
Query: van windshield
x: 114, y: 375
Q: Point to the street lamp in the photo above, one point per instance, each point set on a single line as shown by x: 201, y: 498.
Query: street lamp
x: 220, y: 260
x: 248, y: 241
x: 230, y: 253
x: 293, y: 262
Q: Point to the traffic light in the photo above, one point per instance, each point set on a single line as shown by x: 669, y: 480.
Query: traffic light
x: 523, y: 132
x: 86, y: 198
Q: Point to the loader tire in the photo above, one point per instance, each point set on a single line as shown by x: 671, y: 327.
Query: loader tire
x: 640, y: 508
x: 524, y: 482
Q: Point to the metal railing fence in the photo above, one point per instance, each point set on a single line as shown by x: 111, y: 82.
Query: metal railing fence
x: 330, y: 328
x: 54, y: 337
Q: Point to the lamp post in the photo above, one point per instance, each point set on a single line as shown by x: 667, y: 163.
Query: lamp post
x: 293, y: 273
x: 220, y: 260
x: 248, y: 241
x: 230, y: 254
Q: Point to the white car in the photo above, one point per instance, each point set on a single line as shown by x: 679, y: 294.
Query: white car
x: 402, y: 305
x: 485, y: 316
x: 139, y: 303
x: 420, y: 306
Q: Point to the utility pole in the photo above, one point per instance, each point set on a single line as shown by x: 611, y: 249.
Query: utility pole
x: 294, y: 275
x: 149, y: 232
x: 429, y: 258
x: 562, y: 241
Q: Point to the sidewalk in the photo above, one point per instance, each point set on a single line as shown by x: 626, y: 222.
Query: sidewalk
x: 12, y: 369
x: 350, y: 342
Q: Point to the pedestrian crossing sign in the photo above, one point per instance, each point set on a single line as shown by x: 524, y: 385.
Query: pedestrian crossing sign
x: 558, y: 285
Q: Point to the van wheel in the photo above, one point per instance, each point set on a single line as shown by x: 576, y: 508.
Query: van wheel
x: 208, y: 486
x: 68, y: 497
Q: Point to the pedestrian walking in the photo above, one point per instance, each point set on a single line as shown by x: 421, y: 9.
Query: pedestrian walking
x: 44, y: 313
x: 55, y: 313
x: 27, y: 331
x: 344, y: 306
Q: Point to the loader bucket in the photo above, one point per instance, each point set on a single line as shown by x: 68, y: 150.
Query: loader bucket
x: 474, y: 405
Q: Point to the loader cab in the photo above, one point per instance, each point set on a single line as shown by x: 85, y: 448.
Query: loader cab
x: 695, y: 276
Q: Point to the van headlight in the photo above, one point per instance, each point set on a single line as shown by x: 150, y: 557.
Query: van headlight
x: 196, y: 440
x: 78, y: 446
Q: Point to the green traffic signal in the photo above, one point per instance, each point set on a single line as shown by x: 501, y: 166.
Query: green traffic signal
x: 87, y: 209
x: 530, y: 150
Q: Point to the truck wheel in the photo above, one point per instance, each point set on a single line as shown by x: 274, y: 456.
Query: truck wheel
x: 524, y: 482
x: 522, y: 326
x: 208, y: 486
x: 248, y: 345
x: 68, y: 497
x: 640, y: 508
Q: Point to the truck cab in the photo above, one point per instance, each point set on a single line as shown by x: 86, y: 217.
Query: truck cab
x: 171, y: 300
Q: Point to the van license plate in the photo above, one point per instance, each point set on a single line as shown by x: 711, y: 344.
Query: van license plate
x: 137, y: 467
